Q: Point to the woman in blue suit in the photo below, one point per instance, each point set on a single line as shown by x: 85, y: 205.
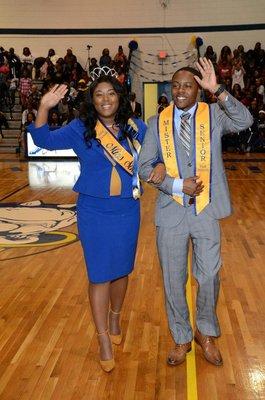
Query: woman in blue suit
x: 105, y: 139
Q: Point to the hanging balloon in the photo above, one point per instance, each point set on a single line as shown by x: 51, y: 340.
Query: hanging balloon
x: 199, y: 42
x: 193, y: 40
x: 133, y: 45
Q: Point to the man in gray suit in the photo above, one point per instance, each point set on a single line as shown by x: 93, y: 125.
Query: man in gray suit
x: 192, y: 197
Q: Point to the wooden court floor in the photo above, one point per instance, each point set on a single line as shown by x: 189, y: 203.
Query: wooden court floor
x: 48, y: 347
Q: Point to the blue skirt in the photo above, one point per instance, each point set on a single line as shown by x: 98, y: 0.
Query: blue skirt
x: 108, y: 230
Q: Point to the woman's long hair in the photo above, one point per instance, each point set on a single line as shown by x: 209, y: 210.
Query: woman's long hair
x: 89, y: 115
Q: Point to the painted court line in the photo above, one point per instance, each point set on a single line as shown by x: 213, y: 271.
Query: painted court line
x: 190, y: 359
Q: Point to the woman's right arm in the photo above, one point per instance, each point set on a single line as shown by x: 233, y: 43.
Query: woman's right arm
x: 48, y: 101
x: 59, y: 139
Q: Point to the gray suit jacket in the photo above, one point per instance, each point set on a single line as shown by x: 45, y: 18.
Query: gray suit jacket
x: 228, y: 116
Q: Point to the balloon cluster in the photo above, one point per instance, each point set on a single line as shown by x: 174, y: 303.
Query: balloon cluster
x: 196, y: 41
x: 133, y: 45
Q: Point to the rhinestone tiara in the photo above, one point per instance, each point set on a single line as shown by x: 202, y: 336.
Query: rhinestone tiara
x: 99, y: 71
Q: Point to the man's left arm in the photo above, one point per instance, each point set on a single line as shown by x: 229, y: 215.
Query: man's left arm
x: 229, y: 114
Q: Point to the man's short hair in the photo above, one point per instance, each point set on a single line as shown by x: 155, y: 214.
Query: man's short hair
x: 193, y: 71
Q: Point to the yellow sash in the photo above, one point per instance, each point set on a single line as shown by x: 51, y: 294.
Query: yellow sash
x: 114, y: 148
x: 202, y: 150
x: 166, y: 134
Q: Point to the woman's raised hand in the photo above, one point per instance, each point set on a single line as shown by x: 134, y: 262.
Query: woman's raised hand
x: 52, y: 98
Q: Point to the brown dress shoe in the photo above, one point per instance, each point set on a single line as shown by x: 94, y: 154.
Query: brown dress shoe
x: 178, y: 354
x: 210, y: 351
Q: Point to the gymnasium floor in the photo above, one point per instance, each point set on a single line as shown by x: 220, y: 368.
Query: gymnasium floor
x: 48, y: 346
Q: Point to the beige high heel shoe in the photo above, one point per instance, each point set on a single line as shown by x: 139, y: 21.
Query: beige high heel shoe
x: 106, y: 365
x: 116, y: 339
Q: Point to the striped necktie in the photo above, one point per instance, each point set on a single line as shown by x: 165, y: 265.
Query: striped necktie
x: 185, y: 132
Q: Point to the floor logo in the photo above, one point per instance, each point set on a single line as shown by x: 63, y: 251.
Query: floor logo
x: 36, y: 224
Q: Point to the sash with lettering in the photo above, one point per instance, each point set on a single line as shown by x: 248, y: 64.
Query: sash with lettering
x: 202, y: 132
x: 120, y: 155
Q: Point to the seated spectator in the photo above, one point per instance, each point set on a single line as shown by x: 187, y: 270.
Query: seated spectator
x: 237, y: 92
x: 228, y: 84
x: 85, y: 77
x: 76, y: 73
x: 241, y: 52
x: 54, y: 120
x: 4, y: 68
x: 225, y: 55
x: 120, y: 59
x: 27, y: 57
x: 27, y: 60
x: 72, y: 92
x: 235, y: 58
x: 24, y: 88
x: 209, y: 97
x: 31, y: 116
x: 63, y: 109
x: 3, y: 123
x: 252, y: 90
x: 61, y: 72
x: 259, y: 55
x: 238, y: 74
x: 224, y: 70
x: 2, y: 55
x: 210, y: 54
x: 120, y: 74
x: 13, y: 86
x: 4, y: 92
x: 22, y: 136
x: 70, y: 60
x: 261, y: 122
x: 14, y: 63
x: 93, y: 64
x: 52, y: 56
x: 162, y: 103
x: 136, y: 107
x: 249, y: 64
x: 35, y: 96
x: 4, y: 85
x: 38, y: 63
x: 82, y: 93
x: 28, y: 110
x: 257, y: 73
x: 105, y: 59
x: 253, y: 109
x: 246, y: 98
x: 225, y: 63
x: 72, y: 114
x: 257, y: 142
x: 260, y: 91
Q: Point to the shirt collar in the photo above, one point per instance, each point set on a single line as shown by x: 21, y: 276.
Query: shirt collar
x: 192, y: 110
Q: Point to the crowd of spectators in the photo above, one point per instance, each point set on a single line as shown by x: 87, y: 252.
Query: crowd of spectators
x: 242, y: 72
x: 17, y: 74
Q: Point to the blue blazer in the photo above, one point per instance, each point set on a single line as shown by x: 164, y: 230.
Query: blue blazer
x: 96, y: 169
